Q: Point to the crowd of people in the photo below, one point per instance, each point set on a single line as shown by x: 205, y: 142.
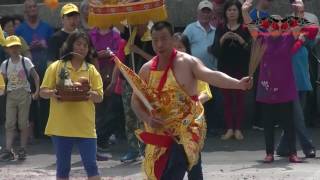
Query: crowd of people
x: 209, y: 61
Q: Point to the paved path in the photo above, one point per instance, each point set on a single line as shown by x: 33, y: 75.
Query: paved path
x: 222, y: 160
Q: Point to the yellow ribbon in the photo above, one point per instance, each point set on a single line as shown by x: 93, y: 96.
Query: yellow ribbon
x: 146, y: 37
x: 127, y: 49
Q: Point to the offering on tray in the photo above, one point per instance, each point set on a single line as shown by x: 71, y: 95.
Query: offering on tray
x: 72, y: 91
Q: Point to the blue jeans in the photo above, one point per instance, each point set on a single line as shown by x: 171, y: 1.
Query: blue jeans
x: 63, y: 149
x: 300, y: 128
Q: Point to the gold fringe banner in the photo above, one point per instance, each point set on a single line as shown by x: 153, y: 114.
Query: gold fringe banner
x: 133, y: 13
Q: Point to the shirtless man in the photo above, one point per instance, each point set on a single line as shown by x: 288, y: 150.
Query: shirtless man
x: 181, y: 71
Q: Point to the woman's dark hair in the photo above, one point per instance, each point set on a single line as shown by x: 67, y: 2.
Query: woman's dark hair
x: 67, y: 48
x: 184, y: 40
x: 6, y: 19
x: 18, y: 17
x: 230, y: 3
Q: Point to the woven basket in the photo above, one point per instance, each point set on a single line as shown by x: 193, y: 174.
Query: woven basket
x: 73, y: 93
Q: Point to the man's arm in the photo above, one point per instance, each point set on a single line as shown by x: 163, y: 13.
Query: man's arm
x: 138, y: 107
x: 254, y: 31
x: 146, y: 56
x: 114, y: 79
x: 216, y: 78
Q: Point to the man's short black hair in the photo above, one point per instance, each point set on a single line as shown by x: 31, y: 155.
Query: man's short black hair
x: 162, y: 25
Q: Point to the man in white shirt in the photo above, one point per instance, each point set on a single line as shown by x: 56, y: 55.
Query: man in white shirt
x: 201, y: 34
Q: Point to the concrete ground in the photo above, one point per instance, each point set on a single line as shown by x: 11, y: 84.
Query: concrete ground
x: 222, y: 160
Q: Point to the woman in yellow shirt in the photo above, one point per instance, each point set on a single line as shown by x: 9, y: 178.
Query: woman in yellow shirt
x: 73, y: 123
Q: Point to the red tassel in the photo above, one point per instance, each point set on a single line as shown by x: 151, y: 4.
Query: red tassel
x: 275, y: 26
x: 285, y: 26
x: 293, y: 23
x: 265, y: 24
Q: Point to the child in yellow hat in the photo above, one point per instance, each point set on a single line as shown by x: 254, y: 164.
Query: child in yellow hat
x: 16, y: 71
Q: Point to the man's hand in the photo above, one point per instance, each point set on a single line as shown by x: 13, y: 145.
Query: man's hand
x: 135, y: 49
x: 298, y: 6
x: 246, y: 83
x: 154, y: 122
x: 246, y: 5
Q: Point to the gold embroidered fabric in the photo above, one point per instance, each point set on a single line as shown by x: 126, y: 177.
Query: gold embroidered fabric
x: 184, y: 121
x: 184, y: 117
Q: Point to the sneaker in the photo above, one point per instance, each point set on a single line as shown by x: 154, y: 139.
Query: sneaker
x: 130, y: 156
x: 311, y: 153
x: 6, y: 156
x: 269, y: 158
x: 255, y: 127
x: 103, y: 148
x: 103, y: 156
x: 22, y: 154
x: 293, y: 158
x: 113, y: 140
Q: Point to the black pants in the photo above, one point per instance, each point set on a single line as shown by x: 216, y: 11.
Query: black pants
x: 109, y: 118
x: 196, y: 172
x: 177, y: 166
x: 283, y: 112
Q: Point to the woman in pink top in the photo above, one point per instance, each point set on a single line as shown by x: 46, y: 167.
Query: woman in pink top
x: 109, y: 113
x: 276, y: 89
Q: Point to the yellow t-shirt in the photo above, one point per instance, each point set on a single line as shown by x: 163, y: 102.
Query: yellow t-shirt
x: 72, y: 119
x: 2, y: 84
x: 203, y: 88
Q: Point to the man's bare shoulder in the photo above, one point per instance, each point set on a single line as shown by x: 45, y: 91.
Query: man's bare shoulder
x: 145, y: 67
x: 145, y: 71
x: 187, y: 58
